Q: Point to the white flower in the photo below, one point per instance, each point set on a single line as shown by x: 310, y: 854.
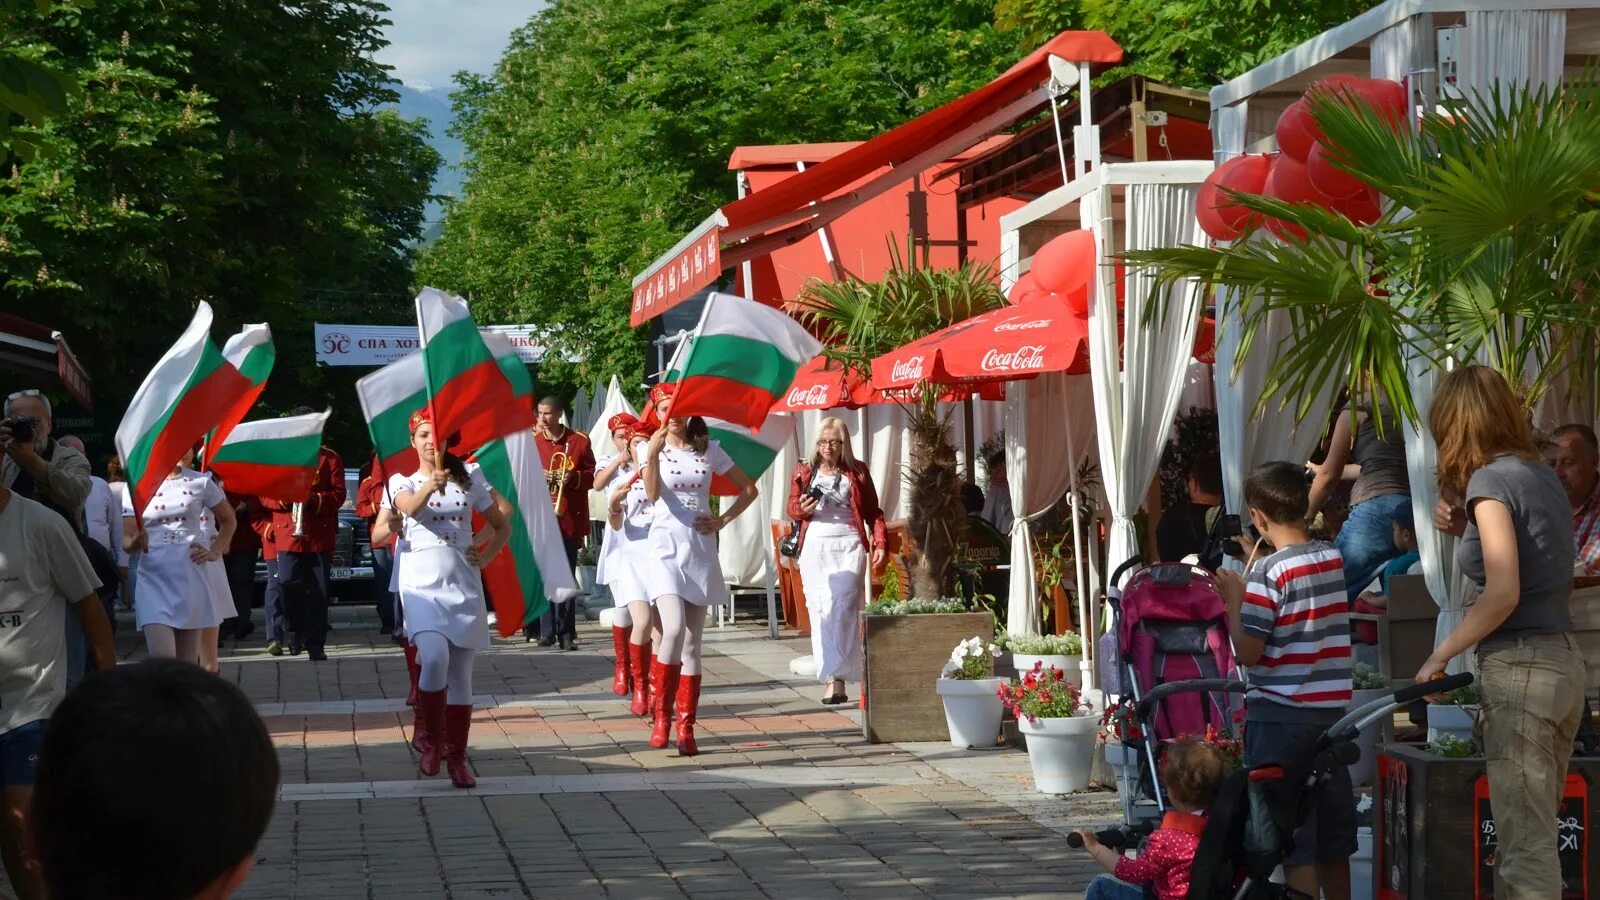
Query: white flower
x: 994, y: 650
x: 960, y: 654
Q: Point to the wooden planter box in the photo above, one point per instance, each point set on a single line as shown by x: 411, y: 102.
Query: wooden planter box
x: 1434, y: 835
x: 905, y: 655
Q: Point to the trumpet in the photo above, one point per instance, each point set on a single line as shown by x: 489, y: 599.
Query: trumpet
x: 561, y: 465
x: 298, y: 511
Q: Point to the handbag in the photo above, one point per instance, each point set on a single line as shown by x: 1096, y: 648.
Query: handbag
x: 790, y: 545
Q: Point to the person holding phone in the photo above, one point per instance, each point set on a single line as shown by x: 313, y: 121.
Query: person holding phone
x: 832, y: 496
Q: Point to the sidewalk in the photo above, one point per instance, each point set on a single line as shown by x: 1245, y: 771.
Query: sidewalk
x: 785, y: 799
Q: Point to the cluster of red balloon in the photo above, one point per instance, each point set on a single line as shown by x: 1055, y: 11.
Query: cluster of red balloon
x: 1304, y: 170
x: 1062, y: 269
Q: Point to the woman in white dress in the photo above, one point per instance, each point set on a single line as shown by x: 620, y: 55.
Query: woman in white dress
x: 841, y: 525
x: 183, y: 591
x: 679, y: 567
x: 441, y: 591
x: 627, y: 524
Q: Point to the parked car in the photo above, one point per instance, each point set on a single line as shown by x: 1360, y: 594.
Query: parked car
x: 350, y: 576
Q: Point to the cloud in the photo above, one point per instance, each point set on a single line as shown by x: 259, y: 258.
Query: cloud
x: 431, y: 40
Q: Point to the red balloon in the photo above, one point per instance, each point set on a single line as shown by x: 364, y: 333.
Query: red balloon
x: 1297, y: 131
x: 1208, y: 211
x: 1026, y: 290
x: 1289, y: 182
x: 1362, y: 209
x: 1065, y: 263
x: 1329, y: 179
x: 1387, y: 97
x: 1078, y: 300
x: 1120, y: 273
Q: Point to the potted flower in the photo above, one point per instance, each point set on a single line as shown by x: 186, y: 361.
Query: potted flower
x: 1059, y: 730
x: 1062, y: 651
x: 902, y: 641
x: 586, y: 569
x: 1369, y: 686
x: 1453, y: 715
x: 972, y: 707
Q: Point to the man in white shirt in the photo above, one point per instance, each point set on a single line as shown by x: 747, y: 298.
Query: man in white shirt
x: 43, y: 572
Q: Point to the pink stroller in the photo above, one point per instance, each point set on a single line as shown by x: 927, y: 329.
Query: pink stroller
x: 1170, y: 662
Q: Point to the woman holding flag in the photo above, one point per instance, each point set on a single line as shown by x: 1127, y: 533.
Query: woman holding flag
x: 441, y: 589
x: 180, y: 537
x: 628, y: 525
x: 679, y: 566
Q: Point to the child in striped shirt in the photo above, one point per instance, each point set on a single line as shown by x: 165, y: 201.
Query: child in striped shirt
x: 1290, y: 621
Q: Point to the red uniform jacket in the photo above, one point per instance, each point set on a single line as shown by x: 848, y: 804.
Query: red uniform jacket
x: 369, y: 495
x: 246, y: 538
x: 320, y: 519
x: 574, y: 518
x: 863, y: 502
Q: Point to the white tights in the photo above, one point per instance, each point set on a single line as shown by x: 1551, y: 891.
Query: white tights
x: 639, y: 618
x: 682, y: 626
x: 166, y: 642
x: 444, y: 667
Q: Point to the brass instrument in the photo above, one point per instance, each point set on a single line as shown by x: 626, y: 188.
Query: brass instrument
x: 561, y: 466
x: 298, y: 511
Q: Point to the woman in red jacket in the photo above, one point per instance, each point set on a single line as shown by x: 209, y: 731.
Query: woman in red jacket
x: 841, y: 526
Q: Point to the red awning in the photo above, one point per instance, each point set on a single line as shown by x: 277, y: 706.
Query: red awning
x: 1006, y: 344
x: 36, y: 349
x: 823, y: 385
x: 756, y: 225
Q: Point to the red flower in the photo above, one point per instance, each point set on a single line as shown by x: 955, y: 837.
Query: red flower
x: 1059, y: 674
x: 1030, y: 680
x: 1044, y: 696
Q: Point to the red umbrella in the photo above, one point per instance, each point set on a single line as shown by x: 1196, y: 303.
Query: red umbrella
x: 822, y: 384
x: 1044, y: 335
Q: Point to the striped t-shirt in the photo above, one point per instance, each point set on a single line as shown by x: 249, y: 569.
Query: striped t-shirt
x: 1295, y: 603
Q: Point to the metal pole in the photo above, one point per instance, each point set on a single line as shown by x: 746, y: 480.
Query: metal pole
x: 772, y: 598
x: 1061, y: 148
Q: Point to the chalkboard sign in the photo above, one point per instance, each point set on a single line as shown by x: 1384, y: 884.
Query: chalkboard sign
x: 985, y: 560
x: 1394, y: 830
x: 1572, y: 835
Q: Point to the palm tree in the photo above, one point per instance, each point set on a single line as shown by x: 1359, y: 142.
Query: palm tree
x: 860, y: 320
x: 1488, y: 249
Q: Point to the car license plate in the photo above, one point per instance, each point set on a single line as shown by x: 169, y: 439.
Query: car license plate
x: 341, y: 573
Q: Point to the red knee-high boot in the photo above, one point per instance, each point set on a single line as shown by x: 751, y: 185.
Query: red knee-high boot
x: 413, y: 670
x: 421, y: 738
x: 457, y: 725
x: 664, y: 687
x: 619, y: 643
x: 430, y: 704
x: 640, y: 657
x: 688, y: 707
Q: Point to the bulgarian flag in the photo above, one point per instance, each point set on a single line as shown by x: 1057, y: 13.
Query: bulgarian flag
x: 388, y: 398
x: 742, y: 358
x: 273, y: 458
x: 182, y: 399
x: 251, y: 352
x: 752, y: 449
x: 471, y: 399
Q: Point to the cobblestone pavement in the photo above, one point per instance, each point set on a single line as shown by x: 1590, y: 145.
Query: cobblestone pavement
x: 785, y: 799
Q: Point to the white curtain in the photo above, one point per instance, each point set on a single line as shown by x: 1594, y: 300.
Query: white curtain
x: 615, y: 402
x: 1039, y: 415
x: 1135, y: 405
x: 1502, y: 48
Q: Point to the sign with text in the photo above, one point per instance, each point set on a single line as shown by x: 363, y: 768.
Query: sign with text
x: 379, y: 345
x: 694, y: 265
x: 1572, y: 839
x: 1393, y: 850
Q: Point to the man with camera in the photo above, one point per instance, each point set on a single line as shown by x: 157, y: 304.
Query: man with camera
x: 35, y: 465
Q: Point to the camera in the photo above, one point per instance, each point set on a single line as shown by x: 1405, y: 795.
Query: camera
x: 21, y: 429
x: 815, y: 493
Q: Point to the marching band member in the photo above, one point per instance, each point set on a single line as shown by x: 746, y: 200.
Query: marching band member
x: 627, y: 526
x: 188, y: 525
x: 680, y: 570
x: 569, y: 470
x: 441, y: 590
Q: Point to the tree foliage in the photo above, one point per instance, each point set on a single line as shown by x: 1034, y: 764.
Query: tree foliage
x: 231, y: 151
x: 31, y: 90
x: 604, y: 133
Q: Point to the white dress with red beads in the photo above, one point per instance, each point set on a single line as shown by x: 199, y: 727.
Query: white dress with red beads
x: 677, y: 559
x: 439, y: 589
x: 174, y: 590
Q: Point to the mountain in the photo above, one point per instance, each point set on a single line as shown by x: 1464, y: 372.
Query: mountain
x: 434, y: 106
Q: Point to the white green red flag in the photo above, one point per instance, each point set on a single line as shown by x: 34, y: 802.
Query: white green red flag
x: 388, y: 398
x: 752, y: 450
x: 741, y: 360
x: 472, y: 400
x: 272, y: 458
x: 180, y: 401
x: 252, y: 353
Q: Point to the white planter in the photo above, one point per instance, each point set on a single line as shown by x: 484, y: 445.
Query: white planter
x: 1361, y: 880
x: 1124, y: 763
x: 972, y: 710
x: 586, y: 576
x: 1448, y: 719
x: 1061, y: 752
x: 1071, y: 665
x: 1365, y: 770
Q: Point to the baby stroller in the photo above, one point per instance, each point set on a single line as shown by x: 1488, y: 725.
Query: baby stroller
x: 1170, y: 663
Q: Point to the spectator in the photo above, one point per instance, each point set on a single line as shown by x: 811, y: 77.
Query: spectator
x: 43, y: 571
x: 42, y: 469
x: 305, y: 534
x: 1515, y: 521
x: 117, y: 479
x: 187, y: 826
x: 1291, y: 627
x: 1577, y: 463
x: 1409, y: 562
x: 97, y: 540
x: 1368, y: 447
x: 1188, y: 529
x: 102, y: 516
x: 272, y: 612
x: 997, y: 503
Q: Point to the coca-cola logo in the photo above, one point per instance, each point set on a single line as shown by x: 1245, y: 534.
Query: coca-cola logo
x: 907, y: 369
x: 804, y: 398
x: 1013, y: 324
x: 1021, y: 359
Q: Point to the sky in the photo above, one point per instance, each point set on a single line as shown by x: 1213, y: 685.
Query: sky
x: 431, y: 40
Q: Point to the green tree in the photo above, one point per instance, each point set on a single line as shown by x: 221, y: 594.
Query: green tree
x: 30, y: 90
x: 604, y: 133
x: 862, y: 320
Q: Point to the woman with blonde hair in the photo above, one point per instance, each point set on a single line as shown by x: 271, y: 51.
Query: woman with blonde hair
x: 832, y: 497
x: 1515, y: 522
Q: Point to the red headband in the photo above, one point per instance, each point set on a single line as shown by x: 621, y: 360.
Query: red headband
x: 419, y: 418
x: 622, y: 420
x: 662, y: 391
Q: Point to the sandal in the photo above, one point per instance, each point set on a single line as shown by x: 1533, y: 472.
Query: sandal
x: 835, y: 700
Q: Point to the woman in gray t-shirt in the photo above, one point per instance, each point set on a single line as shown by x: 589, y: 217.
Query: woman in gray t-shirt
x: 1369, y: 439
x: 1516, y: 528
